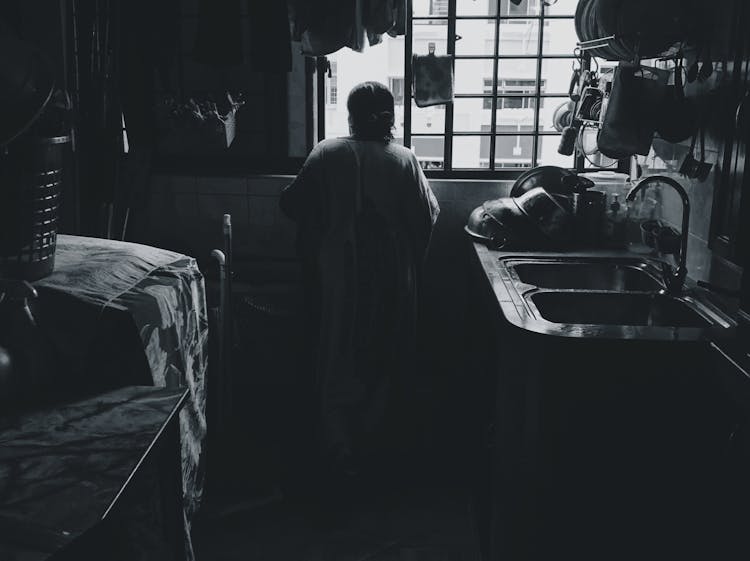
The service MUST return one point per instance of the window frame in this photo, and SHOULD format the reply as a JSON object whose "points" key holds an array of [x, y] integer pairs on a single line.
{"points": [[495, 97], [332, 84]]}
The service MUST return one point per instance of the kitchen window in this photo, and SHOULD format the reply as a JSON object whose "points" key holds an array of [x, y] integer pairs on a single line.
{"points": [[512, 71], [396, 85], [332, 87]]}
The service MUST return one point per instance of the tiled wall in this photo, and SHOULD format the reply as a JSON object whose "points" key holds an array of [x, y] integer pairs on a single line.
{"points": [[186, 215], [703, 264]]}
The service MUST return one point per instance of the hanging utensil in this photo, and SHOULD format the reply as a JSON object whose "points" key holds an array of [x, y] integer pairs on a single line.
{"points": [[676, 121], [697, 169], [692, 73], [707, 66]]}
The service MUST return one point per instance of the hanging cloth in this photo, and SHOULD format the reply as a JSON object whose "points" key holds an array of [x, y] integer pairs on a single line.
{"points": [[433, 78], [326, 26], [629, 123], [384, 16]]}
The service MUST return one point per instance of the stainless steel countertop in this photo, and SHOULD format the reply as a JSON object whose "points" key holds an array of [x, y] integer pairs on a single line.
{"points": [[518, 314]]}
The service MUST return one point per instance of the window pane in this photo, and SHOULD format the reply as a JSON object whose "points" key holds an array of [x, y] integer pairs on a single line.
{"points": [[477, 7], [556, 73], [514, 151], [383, 63], [471, 152], [430, 32], [515, 112], [548, 155], [517, 68], [559, 37], [519, 37], [562, 8], [471, 76], [428, 119], [430, 8], [472, 114], [477, 37], [331, 85], [429, 151], [547, 108], [525, 8]]}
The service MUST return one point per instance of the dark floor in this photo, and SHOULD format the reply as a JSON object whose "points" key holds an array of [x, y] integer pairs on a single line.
{"points": [[417, 524], [266, 498]]}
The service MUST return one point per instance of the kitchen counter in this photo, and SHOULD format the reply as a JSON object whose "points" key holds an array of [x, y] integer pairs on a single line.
{"points": [[520, 315], [608, 440]]}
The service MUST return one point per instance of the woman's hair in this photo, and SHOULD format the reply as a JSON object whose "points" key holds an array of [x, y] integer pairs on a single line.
{"points": [[371, 113]]}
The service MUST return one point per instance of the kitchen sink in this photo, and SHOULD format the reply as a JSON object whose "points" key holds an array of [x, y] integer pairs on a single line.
{"points": [[587, 275], [599, 295], [629, 309]]}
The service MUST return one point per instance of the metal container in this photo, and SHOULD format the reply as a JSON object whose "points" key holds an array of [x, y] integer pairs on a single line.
{"points": [[548, 214], [588, 209], [31, 174]]}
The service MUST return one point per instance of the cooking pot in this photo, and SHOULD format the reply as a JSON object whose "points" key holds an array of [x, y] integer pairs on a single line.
{"points": [[500, 223], [536, 220], [550, 213], [556, 180]]}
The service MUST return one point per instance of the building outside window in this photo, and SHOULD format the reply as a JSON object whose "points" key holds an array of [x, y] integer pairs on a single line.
{"points": [[396, 85], [524, 76], [439, 8], [332, 89]]}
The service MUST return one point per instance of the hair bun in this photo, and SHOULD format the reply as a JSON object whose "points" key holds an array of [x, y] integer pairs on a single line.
{"points": [[382, 116]]}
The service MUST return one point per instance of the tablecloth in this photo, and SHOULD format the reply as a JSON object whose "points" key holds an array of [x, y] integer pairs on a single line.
{"points": [[119, 314]]}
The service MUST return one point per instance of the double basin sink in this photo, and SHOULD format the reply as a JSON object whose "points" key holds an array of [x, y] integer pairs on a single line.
{"points": [[619, 296]]}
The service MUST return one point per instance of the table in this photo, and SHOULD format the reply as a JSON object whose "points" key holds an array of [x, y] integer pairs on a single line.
{"points": [[118, 314], [64, 472]]}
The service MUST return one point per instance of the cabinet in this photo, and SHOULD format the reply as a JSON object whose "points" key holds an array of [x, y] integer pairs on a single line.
{"points": [[603, 448], [729, 230]]}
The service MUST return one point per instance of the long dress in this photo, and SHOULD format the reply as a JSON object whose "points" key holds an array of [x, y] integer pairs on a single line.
{"points": [[365, 214]]}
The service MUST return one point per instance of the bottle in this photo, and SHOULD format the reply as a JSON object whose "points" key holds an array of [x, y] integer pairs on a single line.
{"points": [[616, 223]]}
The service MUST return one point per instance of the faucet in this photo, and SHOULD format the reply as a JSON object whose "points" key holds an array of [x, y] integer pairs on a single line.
{"points": [[673, 279]]}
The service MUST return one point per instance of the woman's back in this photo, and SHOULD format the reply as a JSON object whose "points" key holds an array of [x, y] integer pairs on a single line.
{"points": [[365, 214]]}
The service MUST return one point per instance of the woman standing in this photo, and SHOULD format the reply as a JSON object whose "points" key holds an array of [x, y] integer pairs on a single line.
{"points": [[365, 214]]}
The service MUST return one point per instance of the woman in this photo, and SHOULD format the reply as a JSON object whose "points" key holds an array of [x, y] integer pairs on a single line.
{"points": [[365, 214]]}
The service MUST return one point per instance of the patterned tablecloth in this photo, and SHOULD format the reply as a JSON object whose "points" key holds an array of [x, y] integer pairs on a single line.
{"points": [[63, 470], [119, 314]]}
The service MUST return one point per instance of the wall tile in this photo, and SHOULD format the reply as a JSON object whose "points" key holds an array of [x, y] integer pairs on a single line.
{"points": [[699, 259], [222, 185], [264, 211], [185, 206], [181, 184], [212, 208], [267, 186]]}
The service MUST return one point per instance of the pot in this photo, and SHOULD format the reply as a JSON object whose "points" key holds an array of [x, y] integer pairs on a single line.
{"points": [[549, 213], [500, 224], [554, 179]]}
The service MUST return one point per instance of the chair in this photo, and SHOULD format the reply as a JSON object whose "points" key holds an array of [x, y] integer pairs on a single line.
{"points": [[223, 325]]}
